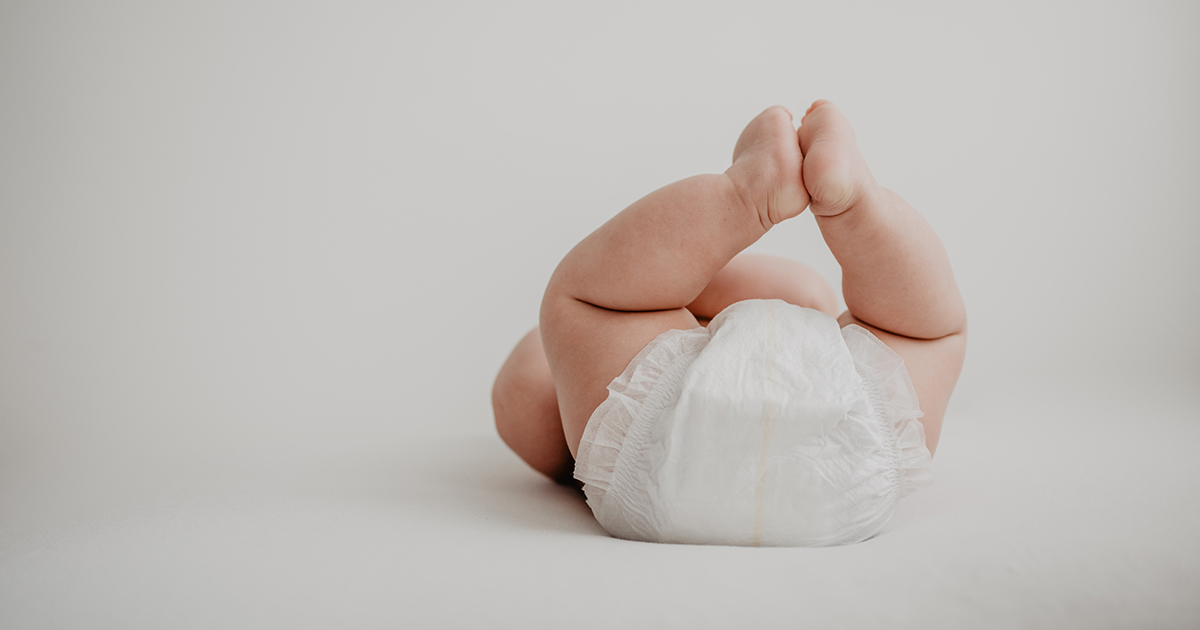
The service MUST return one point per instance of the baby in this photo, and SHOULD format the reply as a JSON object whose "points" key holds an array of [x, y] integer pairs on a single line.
{"points": [[702, 395]]}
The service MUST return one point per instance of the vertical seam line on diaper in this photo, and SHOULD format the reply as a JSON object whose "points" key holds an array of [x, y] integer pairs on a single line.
{"points": [[769, 413]]}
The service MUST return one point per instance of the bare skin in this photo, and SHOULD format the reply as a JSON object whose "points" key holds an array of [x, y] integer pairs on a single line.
{"points": [[668, 262]]}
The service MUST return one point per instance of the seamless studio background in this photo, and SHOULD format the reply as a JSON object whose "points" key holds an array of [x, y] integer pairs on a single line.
{"points": [[269, 256]]}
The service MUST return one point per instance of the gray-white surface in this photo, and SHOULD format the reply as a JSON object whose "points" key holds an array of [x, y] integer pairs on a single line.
{"points": [[259, 263], [1075, 511]]}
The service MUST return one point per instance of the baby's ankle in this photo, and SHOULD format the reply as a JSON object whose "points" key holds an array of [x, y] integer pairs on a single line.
{"points": [[749, 194], [766, 168], [866, 193]]}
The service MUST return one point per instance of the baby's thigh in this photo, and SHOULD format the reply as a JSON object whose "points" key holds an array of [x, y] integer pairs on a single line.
{"points": [[759, 276], [588, 346], [932, 364]]}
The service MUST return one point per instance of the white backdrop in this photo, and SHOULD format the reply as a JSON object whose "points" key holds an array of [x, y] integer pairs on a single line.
{"points": [[237, 233]]}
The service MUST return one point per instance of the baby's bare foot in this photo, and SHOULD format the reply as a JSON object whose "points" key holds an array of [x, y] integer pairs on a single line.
{"points": [[767, 167], [835, 173]]}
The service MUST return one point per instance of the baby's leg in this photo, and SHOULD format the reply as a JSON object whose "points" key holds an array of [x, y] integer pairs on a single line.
{"points": [[896, 277], [632, 279]]}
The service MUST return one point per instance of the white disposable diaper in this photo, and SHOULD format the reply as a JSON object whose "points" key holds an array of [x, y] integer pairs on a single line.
{"points": [[770, 427]]}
